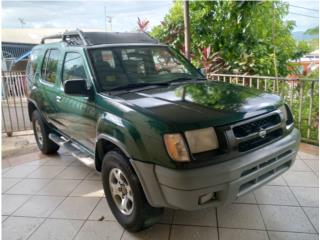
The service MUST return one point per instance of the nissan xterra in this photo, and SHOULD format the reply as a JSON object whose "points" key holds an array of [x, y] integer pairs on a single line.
{"points": [[161, 134]]}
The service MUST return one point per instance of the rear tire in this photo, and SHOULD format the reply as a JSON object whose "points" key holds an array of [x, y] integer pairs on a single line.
{"points": [[118, 175], [41, 133]]}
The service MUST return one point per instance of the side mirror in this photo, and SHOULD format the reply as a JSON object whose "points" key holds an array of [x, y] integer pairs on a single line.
{"points": [[77, 87]]}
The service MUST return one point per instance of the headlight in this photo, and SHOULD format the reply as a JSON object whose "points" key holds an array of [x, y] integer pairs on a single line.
{"points": [[202, 140], [176, 147], [284, 112], [287, 115]]}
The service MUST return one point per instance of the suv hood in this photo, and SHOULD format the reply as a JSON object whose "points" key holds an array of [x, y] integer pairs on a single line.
{"points": [[201, 104]]}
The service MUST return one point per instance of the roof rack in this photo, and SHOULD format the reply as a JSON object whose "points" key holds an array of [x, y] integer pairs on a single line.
{"points": [[79, 38], [71, 37]]}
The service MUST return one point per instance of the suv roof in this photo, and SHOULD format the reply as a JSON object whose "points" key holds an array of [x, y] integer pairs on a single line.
{"points": [[79, 38]]}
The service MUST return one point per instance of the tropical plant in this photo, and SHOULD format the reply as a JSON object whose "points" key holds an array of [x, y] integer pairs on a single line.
{"points": [[250, 36], [142, 25]]}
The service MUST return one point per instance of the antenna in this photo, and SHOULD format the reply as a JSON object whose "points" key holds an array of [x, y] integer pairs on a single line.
{"points": [[22, 22], [105, 18], [110, 21]]}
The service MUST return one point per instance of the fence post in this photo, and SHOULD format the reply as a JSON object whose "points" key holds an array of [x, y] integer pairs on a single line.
{"points": [[291, 94], [310, 110], [300, 104]]}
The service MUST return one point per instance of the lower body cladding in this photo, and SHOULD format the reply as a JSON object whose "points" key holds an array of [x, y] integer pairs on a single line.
{"points": [[219, 184]]}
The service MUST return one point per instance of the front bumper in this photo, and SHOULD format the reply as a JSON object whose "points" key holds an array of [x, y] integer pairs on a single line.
{"points": [[182, 189]]}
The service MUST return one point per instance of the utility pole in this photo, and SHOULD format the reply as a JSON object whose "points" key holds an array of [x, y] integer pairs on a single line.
{"points": [[273, 36], [186, 29], [274, 48], [105, 19]]}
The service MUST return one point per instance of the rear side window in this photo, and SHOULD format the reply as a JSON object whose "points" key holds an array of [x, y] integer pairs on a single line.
{"points": [[73, 67], [32, 64], [50, 65]]}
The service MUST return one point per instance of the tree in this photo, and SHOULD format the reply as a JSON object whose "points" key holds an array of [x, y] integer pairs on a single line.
{"points": [[250, 36]]}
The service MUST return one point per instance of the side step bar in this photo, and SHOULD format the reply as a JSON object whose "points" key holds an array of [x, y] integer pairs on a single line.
{"points": [[74, 149]]}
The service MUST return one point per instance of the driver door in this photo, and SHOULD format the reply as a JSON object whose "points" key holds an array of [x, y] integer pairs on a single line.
{"points": [[76, 114]]}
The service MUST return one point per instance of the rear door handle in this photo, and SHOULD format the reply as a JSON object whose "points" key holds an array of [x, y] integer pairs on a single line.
{"points": [[58, 98]]}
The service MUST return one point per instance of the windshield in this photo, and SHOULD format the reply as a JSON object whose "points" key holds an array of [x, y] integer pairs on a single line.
{"points": [[127, 66]]}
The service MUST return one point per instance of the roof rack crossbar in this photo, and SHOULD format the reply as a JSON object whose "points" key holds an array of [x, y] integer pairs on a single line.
{"points": [[56, 36], [77, 32], [65, 35]]}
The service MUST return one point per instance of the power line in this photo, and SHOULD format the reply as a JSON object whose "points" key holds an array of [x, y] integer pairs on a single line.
{"points": [[303, 15], [304, 8]]}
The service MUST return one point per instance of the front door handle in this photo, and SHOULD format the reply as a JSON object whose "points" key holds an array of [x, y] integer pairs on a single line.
{"points": [[58, 98]]}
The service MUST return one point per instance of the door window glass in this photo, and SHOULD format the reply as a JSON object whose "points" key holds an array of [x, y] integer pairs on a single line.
{"points": [[49, 68], [73, 67], [32, 64]]}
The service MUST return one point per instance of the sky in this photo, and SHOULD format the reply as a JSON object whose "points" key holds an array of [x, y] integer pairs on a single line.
{"points": [[83, 14], [91, 14], [305, 18]]}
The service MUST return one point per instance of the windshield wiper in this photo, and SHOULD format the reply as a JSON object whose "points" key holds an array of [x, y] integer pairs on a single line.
{"points": [[184, 79], [136, 85]]}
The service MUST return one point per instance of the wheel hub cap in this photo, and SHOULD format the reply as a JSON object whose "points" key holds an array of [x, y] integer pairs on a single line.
{"points": [[121, 191], [38, 132]]}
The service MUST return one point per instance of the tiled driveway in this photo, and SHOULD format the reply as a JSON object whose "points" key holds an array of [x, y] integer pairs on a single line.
{"points": [[58, 198]]}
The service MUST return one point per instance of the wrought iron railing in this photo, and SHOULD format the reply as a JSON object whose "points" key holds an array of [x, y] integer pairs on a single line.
{"points": [[302, 95], [14, 102]]}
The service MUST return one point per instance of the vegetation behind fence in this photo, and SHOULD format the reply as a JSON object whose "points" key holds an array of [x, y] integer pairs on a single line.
{"points": [[302, 95]]}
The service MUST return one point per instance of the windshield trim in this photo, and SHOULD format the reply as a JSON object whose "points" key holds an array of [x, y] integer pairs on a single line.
{"points": [[114, 45]]}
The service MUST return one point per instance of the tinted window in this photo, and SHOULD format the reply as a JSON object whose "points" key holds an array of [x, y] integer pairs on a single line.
{"points": [[50, 65], [44, 64], [32, 64], [73, 67], [134, 65], [107, 71]]}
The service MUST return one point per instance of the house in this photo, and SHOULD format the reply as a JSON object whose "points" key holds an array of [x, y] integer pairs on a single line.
{"points": [[17, 43], [306, 64]]}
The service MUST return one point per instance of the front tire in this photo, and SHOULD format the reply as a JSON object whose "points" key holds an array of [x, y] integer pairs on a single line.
{"points": [[125, 195], [41, 133]]}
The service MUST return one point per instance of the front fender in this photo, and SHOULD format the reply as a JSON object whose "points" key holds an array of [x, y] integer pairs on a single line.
{"points": [[123, 134]]}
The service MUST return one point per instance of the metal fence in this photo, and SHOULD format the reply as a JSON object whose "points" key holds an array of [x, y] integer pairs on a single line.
{"points": [[302, 95], [14, 103]]}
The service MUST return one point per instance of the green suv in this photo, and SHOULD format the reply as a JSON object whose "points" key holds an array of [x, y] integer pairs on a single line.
{"points": [[161, 134]]}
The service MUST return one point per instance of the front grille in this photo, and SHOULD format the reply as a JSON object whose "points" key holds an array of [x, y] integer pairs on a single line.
{"points": [[258, 141], [256, 126]]}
